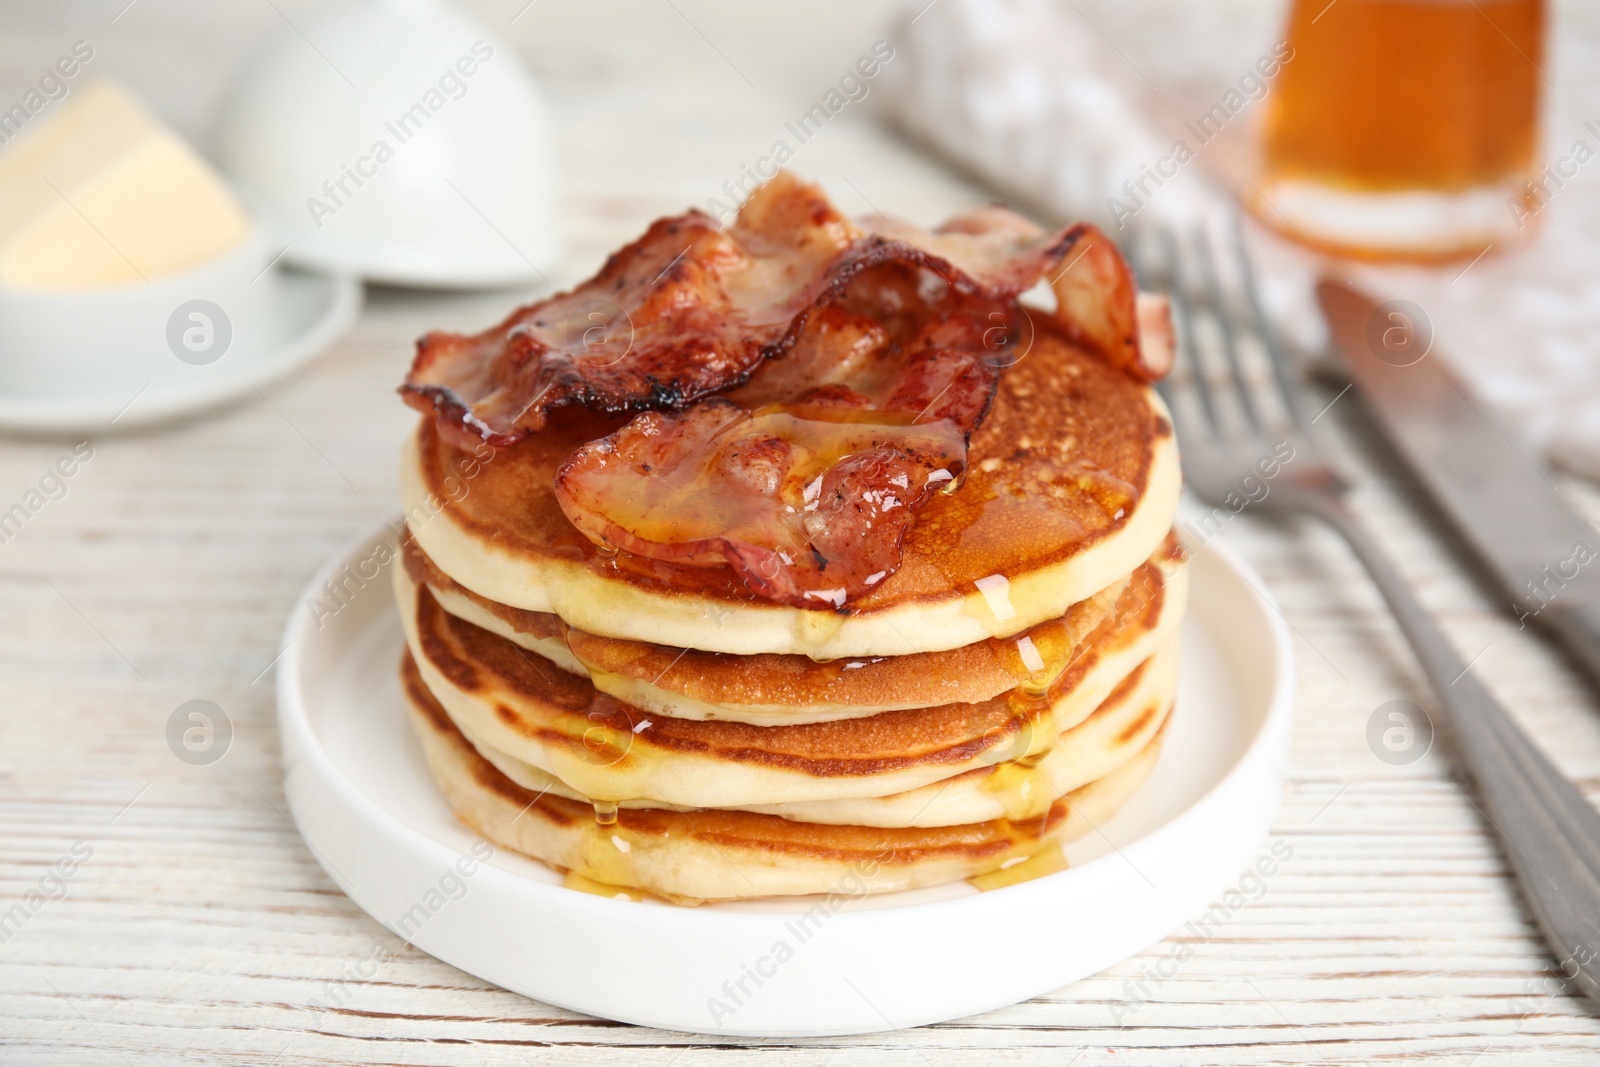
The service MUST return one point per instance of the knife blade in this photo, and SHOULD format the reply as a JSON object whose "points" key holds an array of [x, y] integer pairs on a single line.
{"points": [[1492, 488]]}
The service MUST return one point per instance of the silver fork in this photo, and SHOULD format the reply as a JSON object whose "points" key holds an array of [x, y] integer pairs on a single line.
{"points": [[1548, 830]]}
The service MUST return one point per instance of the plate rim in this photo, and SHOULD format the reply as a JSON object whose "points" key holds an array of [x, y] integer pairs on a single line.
{"points": [[72, 415]]}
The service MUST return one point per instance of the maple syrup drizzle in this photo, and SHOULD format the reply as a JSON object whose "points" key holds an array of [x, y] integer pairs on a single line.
{"points": [[1018, 784], [1048, 860], [1115, 496], [695, 498], [605, 864], [583, 884]]}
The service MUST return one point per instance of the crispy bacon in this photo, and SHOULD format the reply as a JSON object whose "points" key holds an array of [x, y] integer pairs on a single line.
{"points": [[994, 245], [808, 505], [1097, 301], [682, 312], [806, 479], [1097, 298], [1158, 347]]}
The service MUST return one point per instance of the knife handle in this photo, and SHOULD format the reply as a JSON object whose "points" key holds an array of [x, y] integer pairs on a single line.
{"points": [[1550, 832], [1576, 624]]}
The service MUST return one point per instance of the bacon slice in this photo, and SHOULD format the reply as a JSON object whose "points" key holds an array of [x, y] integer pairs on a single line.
{"points": [[682, 312], [806, 504], [1097, 298], [806, 479], [1158, 346], [999, 248]]}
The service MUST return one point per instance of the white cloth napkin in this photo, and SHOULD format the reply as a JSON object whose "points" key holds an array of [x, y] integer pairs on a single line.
{"points": [[1058, 105]]}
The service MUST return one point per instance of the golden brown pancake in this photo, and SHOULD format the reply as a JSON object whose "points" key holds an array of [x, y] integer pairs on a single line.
{"points": [[537, 631], [1123, 724], [695, 856], [522, 705], [1073, 482], [775, 689]]}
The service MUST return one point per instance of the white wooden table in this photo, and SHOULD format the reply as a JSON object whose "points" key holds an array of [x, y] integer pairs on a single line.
{"points": [[201, 930]]}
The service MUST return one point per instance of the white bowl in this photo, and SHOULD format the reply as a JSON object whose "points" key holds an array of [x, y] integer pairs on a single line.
{"points": [[372, 815], [466, 195], [113, 340]]}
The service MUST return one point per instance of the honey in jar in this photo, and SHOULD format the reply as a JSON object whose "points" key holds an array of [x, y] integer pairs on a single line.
{"points": [[1404, 129]]}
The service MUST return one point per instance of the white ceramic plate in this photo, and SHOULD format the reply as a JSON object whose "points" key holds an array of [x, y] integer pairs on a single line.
{"points": [[312, 310], [367, 806]]}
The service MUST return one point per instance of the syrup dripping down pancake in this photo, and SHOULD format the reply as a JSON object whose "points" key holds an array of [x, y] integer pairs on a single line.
{"points": [[1072, 482], [520, 704], [773, 689], [696, 856]]}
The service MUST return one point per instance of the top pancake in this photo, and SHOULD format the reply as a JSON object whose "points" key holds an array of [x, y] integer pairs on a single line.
{"points": [[1072, 483]]}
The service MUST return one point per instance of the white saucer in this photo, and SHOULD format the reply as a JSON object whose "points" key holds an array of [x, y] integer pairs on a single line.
{"points": [[369, 810], [313, 309]]}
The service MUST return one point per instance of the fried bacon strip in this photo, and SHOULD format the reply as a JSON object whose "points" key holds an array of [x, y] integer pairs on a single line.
{"points": [[682, 312], [806, 480], [808, 506], [1097, 299]]}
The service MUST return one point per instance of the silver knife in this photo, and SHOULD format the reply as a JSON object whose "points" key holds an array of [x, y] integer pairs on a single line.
{"points": [[1491, 486]]}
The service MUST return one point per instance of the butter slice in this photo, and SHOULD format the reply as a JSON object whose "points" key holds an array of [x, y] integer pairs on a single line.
{"points": [[101, 193]]}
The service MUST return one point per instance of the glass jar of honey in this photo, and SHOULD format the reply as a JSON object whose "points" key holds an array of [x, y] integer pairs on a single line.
{"points": [[1404, 129]]}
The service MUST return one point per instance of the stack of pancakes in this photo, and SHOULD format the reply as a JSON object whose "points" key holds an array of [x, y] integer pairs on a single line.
{"points": [[660, 728]]}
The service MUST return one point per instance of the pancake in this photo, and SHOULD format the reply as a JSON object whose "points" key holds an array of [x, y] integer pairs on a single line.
{"points": [[695, 856], [536, 631], [519, 704], [1128, 722], [1123, 724], [1072, 483], [774, 689]]}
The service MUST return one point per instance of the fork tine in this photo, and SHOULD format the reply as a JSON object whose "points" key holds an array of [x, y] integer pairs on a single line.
{"points": [[1230, 342], [1286, 375], [1178, 293]]}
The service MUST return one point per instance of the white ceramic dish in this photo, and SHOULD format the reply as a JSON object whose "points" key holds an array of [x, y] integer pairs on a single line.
{"points": [[411, 146], [114, 338], [364, 800], [294, 316]]}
